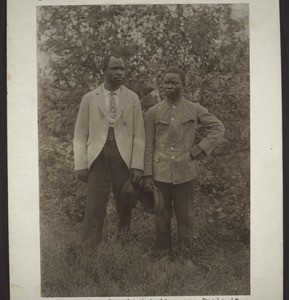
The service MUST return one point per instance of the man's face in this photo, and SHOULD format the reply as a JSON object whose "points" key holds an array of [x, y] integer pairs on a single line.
{"points": [[172, 86], [115, 71]]}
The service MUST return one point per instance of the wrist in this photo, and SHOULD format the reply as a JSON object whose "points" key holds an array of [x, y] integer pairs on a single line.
{"points": [[195, 151], [148, 178]]}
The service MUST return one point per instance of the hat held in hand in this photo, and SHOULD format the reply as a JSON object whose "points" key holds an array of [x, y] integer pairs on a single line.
{"points": [[152, 201], [128, 194]]}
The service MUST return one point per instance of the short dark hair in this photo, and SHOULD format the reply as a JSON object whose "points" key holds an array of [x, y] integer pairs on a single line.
{"points": [[107, 58], [176, 70]]}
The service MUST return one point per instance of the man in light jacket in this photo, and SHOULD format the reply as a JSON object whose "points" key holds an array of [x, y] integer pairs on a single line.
{"points": [[171, 154], [108, 147]]}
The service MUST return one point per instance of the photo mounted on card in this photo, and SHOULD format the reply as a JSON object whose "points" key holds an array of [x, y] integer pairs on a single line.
{"points": [[141, 165]]}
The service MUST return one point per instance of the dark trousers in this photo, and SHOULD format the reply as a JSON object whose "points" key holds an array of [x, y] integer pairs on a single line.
{"points": [[179, 196], [108, 170]]}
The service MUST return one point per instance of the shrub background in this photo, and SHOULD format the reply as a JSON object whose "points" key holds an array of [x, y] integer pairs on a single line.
{"points": [[211, 44]]}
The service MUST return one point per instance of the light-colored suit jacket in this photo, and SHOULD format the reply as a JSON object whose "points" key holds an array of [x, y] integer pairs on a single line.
{"points": [[92, 125]]}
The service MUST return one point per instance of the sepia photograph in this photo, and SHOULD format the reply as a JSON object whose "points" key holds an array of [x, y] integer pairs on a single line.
{"points": [[144, 150], [143, 116]]}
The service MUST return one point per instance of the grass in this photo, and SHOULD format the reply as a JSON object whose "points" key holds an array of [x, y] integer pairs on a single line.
{"points": [[68, 270], [219, 260]]}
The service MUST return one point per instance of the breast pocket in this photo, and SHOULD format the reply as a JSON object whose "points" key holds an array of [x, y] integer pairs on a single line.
{"points": [[161, 127], [188, 119], [189, 126]]}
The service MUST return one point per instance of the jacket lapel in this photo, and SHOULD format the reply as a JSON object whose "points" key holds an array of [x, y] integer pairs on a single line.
{"points": [[123, 102], [100, 101]]}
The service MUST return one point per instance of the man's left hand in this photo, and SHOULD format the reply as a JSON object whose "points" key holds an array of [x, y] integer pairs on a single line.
{"points": [[136, 175], [196, 151]]}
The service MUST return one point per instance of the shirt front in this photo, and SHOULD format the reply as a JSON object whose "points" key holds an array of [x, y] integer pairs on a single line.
{"points": [[107, 95]]}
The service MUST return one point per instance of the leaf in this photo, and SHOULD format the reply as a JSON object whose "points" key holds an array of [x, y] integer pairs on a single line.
{"points": [[222, 216], [191, 265]]}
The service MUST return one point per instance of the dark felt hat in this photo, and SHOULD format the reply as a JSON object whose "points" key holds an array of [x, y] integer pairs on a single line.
{"points": [[152, 201], [129, 194]]}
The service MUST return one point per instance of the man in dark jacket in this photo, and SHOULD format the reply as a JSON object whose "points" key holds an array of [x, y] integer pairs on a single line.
{"points": [[171, 153]]}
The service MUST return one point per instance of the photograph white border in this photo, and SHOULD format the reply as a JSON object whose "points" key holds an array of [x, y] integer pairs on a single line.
{"points": [[266, 149]]}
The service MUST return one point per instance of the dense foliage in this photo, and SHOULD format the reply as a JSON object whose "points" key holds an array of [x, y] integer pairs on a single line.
{"points": [[210, 43]]}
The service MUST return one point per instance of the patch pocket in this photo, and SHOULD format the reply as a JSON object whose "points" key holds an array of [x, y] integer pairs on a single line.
{"points": [[161, 127], [188, 119], [162, 122]]}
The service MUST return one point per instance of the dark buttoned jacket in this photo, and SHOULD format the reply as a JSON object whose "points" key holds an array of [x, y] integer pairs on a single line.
{"points": [[170, 130]]}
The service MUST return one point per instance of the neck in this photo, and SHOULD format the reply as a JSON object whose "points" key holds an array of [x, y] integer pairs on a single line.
{"points": [[108, 86], [175, 99]]}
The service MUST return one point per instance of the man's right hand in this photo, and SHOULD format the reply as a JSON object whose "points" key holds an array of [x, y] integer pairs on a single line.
{"points": [[82, 175], [148, 183]]}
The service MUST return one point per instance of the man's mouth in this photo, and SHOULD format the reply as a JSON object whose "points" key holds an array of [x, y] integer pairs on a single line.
{"points": [[169, 91]]}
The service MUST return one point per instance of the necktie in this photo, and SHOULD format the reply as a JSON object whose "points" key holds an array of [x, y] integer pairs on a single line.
{"points": [[112, 105]]}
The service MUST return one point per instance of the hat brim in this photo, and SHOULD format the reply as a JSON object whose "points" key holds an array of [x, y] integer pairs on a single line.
{"points": [[158, 201], [128, 194], [152, 201]]}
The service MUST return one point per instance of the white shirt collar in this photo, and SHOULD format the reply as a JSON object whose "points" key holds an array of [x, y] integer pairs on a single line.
{"points": [[116, 92]]}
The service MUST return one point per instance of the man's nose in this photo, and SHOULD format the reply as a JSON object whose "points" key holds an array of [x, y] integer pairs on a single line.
{"points": [[120, 72]]}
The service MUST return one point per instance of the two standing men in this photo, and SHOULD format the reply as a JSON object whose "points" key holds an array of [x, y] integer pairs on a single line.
{"points": [[110, 145]]}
